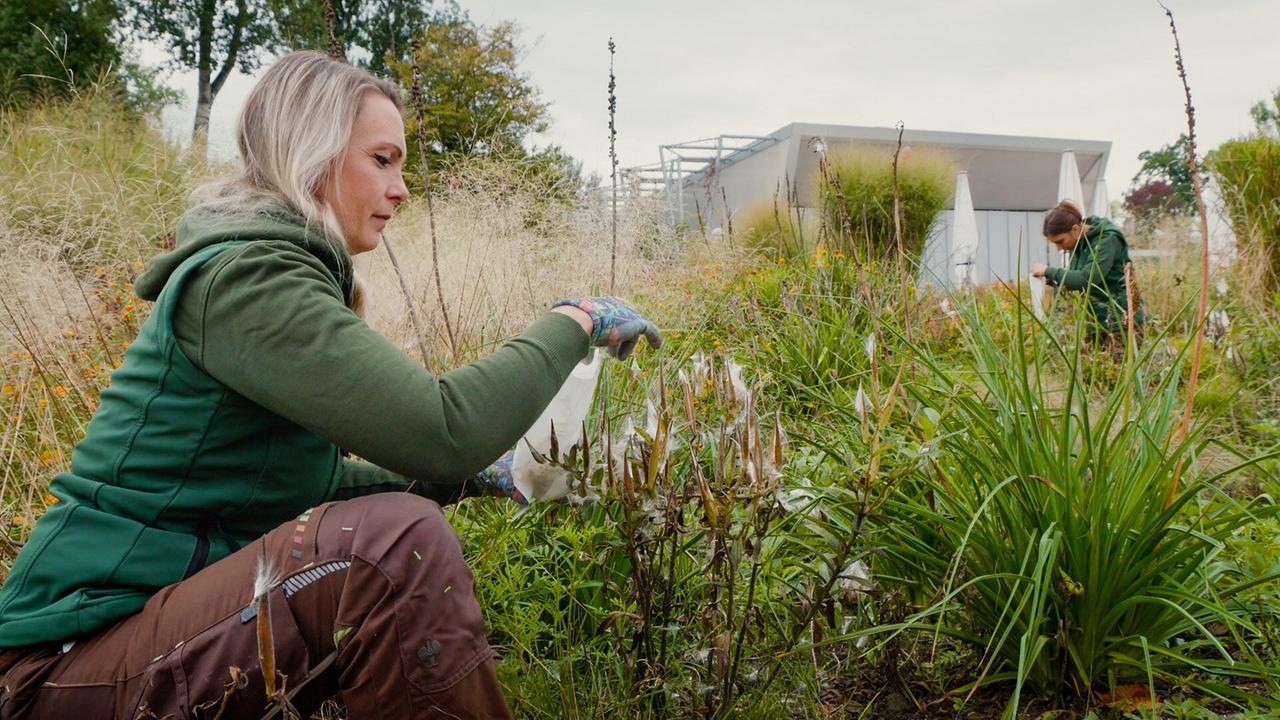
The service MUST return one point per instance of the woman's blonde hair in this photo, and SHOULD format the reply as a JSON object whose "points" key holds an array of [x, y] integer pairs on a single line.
{"points": [[292, 135]]}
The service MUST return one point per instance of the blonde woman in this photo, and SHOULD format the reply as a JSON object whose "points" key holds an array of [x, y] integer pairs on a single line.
{"points": [[219, 456]]}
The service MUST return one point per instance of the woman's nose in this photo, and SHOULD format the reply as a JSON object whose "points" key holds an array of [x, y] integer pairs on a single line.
{"points": [[398, 192]]}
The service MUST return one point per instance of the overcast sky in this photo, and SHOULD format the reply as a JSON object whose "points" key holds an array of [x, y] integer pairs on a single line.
{"points": [[1088, 69]]}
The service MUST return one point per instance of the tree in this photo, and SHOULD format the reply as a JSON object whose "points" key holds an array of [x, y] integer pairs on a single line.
{"points": [[1267, 119], [378, 29], [1151, 201], [48, 47], [475, 98], [212, 37], [1170, 164]]}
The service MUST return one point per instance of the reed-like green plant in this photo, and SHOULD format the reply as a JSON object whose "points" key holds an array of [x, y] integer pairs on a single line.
{"points": [[1044, 539]]}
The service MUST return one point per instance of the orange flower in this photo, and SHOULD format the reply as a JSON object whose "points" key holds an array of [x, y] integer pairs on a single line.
{"points": [[50, 499], [59, 390], [8, 390], [19, 520], [44, 403]]}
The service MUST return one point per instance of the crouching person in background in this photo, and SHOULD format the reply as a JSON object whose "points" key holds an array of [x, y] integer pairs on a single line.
{"points": [[1099, 254]]}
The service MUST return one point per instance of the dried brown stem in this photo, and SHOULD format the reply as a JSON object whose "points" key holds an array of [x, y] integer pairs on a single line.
{"points": [[613, 168], [331, 24], [897, 234], [424, 168], [408, 301], [1184, 427]]}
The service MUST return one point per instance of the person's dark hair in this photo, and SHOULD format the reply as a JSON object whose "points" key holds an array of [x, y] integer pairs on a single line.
{"points": [[1061, 218]]}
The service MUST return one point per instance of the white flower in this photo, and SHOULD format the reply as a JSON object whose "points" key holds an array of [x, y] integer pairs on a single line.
{"points": [[869, 345], [861, 403], [740, 391]]}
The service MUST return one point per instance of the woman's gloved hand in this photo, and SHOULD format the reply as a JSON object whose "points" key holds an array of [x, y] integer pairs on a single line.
{"points": [[496, 480], [616, 326]]}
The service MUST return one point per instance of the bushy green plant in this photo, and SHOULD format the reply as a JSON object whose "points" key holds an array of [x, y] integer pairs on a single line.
{"points": [[1054, 535], [1248, 172], [776, 230], [857, 199]]}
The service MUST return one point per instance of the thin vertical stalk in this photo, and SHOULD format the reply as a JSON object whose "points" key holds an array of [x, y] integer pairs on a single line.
{"points": [[1184, 427], [421, 132], [613, 169], [331, 24], [897, 234], [408, 301]]}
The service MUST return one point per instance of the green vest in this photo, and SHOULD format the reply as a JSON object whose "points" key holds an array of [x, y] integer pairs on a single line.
{"points": [[175, 472]]}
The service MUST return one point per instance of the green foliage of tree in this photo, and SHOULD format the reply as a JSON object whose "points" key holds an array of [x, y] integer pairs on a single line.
{"points": [[1267, 119], [378, 29], [48, 47], [475, 98], [1170, 164], [212, 37]]}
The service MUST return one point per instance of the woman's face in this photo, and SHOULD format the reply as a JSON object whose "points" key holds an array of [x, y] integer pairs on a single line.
{"points": [[1067, 240], [367, 188]]}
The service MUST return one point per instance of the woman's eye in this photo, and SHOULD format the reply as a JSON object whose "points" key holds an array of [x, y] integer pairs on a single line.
{"points": [[383, 160]]}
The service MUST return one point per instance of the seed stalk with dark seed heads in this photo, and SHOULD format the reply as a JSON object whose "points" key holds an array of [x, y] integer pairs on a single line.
{"points": [[331, 24], [613, 168], [1202, 313]]}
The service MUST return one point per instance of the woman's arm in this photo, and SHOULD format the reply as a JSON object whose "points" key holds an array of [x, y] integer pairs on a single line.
{"points": [[270, 323], [1105, 253]]}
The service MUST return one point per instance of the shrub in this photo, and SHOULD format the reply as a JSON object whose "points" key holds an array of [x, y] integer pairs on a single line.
{"points": [[865, 179], [777, 230], [1248, 172]]}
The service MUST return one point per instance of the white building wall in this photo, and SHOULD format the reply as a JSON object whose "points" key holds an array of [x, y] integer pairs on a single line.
{"points": [[746, 184], [1009, 241]]}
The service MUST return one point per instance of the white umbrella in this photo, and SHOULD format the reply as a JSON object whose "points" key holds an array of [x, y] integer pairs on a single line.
{"points": [[964, 236], [1101, 205], [1069, 187]]}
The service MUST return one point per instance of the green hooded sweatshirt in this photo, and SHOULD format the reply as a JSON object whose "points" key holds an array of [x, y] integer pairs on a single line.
{"points": [[1097, 263], [232, 410]]}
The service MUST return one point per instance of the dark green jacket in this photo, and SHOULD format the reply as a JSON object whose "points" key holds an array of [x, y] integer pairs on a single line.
{"points": [[229, 414], [1097, 264]]}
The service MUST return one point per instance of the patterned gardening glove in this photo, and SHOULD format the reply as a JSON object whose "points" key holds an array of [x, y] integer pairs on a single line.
{"points": [[496, 480], [616, 326]]}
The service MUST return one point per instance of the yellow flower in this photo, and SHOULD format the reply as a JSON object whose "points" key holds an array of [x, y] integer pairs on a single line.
{"points": [[44, 403], [8, 390], [19, 520], [59, 390], [50, 499]]}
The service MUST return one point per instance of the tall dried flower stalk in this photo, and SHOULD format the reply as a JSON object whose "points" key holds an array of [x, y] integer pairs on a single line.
{"points": [[331, 24], [613, 167], [1185, 426], [424, 168], [897, 234]]}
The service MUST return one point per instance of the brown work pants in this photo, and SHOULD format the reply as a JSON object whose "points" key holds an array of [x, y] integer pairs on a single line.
{"points": [[374, 603]]}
